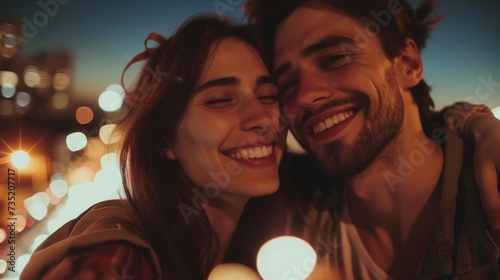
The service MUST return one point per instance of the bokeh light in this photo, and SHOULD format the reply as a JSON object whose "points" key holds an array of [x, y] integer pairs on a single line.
{"points": [[111, 99], [45, 81], [62, 79], [58, 186], [60, 100], [496, 112], [76, 141], [20, 222], [23, 99], [31, 76], [108, 135], [20, 159], [231, 271], [37, 205], [3, 266], [8, 90], [84, 115], [8, 77], [3, 235], [22, 261], [286, 257]]}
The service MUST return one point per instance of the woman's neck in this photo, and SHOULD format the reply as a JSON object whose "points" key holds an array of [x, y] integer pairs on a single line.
{"points": [[224, 216]]}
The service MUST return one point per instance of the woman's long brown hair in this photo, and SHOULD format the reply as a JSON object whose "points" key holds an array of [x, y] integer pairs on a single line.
{"points": [[155, 185]]}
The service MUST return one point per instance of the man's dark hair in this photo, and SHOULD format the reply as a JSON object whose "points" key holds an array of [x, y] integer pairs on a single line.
{"points": [[416, 24]]}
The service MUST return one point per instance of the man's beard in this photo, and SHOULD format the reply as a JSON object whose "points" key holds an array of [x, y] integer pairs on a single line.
{"points": [[382, 125]]}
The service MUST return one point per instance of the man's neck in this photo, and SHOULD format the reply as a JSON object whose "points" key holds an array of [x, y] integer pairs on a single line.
{"points": [[394, 202]]}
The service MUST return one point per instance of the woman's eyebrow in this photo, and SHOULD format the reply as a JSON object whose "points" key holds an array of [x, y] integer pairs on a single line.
{"points": [[224, 81]]}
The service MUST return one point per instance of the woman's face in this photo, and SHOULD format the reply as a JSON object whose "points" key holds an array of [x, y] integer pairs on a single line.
{"points": [[229, 143]]}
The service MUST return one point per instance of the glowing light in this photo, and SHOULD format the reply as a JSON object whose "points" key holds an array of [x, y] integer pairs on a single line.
{"points": [[8, 90], [496, 112], [231, 271], [23, 99], [20, 159], [8, 77], [76, 141], [61, 79], [3, 235], [3, 266], [31, 76], [286, 257], [37, 210], [45, 80], [108, 180], [54, 225], [110, 161], [107, 135], [20, 222], [59, 188], [84, 115], [37, 205], [22, 261], [60, 100], [111, 99]]}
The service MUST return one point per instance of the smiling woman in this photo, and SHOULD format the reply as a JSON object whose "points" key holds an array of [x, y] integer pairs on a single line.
{"points": [[193, 145]]}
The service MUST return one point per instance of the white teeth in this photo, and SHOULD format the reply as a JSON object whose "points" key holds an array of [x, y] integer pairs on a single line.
{"points": [[332, 121], [253, 153]]}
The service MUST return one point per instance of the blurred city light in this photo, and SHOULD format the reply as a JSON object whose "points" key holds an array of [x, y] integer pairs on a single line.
{"points": [[22, 261], [286, 257], [20, 159], [20, 222], [84, 115], [496, 112], [231, 271], [8, 77], [31, 76], [60, 100], [3, 235], [8, 90], [58, 185], [107, 135], [3, 266], [23, 99], [76, 141], [111, 99], [62, 79], [45, 80]]}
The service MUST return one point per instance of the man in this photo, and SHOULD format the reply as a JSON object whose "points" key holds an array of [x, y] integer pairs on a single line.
{"points": [[350, 73]]}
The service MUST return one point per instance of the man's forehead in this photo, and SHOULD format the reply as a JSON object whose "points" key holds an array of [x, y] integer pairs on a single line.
{"points": [[307, 25]]}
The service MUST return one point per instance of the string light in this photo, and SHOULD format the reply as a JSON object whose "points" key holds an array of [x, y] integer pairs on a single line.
{"points": [[20, 159]]}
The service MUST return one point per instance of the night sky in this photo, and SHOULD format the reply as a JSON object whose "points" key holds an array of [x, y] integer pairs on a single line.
{"points": [[461, 56]]}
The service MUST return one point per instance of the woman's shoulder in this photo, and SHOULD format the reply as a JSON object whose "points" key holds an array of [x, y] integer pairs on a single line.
{"points": [[107, 226]]}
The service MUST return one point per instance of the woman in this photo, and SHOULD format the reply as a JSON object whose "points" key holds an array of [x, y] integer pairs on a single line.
{"points": [[201, 138], [193, 142]]}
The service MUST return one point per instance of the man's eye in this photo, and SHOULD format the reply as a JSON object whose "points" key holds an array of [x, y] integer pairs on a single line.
{"points": [[335, 61]]}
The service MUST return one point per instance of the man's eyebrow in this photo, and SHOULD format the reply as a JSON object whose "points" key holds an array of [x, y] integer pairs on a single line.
{"points": [[225, 81], [323, 43], [326, 42]]}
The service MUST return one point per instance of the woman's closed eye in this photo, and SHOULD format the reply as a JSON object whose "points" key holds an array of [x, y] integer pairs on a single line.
{"points": [[270, 98], [218, 102]]}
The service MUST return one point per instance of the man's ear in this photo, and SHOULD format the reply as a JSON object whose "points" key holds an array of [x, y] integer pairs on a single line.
{"points": [[409, 66]]}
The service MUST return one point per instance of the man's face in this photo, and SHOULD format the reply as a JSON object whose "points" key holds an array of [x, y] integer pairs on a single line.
{"points": [[339, 90]]}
